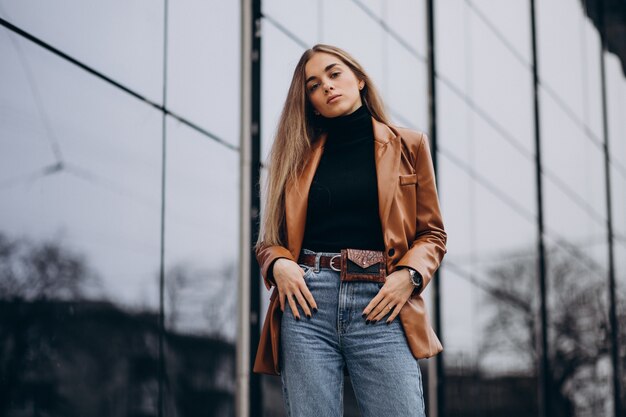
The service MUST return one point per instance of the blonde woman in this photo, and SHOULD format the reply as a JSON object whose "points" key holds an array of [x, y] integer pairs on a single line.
{"points": [[350, 236]]}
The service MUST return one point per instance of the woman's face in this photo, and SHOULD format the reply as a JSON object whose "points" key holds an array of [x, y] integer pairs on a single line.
{"points": [[332, 87]]}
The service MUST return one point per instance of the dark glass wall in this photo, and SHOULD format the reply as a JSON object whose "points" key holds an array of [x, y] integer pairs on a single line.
{"points": [[86, 162]]}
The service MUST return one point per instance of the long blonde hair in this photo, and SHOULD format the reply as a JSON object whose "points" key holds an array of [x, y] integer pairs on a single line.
{"points": [[297, 129]]}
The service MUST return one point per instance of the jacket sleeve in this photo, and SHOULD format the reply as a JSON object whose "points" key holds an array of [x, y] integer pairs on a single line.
{"points": [[266, 256], [429, 246]]}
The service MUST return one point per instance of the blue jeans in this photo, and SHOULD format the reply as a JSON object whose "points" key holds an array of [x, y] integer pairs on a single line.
{"points": [[386, 378]]}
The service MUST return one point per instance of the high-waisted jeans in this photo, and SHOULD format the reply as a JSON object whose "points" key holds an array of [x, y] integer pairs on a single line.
{"points": [[386, 378]]}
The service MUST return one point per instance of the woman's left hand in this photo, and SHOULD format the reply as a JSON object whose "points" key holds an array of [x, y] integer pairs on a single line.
{"points": [[394, 293]]}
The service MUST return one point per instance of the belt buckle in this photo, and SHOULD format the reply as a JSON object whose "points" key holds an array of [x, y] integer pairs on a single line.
{"points": [[331, 263]]}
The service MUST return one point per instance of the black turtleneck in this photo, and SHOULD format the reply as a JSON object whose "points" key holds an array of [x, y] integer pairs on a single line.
{"points": [[343, 200]]}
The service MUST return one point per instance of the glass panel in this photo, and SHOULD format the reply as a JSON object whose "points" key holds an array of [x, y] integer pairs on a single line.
{"points": [[406, 78], [575, 211], [203, 65], [487, 188], [201, 273], [80, 190]]}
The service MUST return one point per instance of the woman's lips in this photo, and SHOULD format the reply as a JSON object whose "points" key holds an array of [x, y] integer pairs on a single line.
{"points": [[333, 99]]}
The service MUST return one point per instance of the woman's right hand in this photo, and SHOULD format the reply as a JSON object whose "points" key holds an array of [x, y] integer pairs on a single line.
{"points": [[290, 283]]}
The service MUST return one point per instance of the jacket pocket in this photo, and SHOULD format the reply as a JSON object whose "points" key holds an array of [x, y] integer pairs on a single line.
{"points": [[408, 179]]}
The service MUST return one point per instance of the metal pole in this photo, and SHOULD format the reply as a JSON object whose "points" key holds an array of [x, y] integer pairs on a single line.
{"points": [[244, 390], [617, 389], [256, 389], [545, 398], [436, 378], [161, 369], [249, 384]]}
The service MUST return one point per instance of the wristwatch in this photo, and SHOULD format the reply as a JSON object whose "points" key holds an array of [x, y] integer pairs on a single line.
{"points": [[416, 278]]}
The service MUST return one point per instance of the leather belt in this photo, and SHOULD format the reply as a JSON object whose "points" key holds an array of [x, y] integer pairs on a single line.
{"points": [[352, 264], [326, 261]]}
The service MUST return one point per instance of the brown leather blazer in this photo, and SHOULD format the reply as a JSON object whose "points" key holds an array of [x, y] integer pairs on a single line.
{"points": [[412, 229]]}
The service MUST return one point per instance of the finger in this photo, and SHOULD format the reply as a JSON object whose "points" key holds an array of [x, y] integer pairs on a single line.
{"points": [[394, 313], [376, 311], [368, 312], [293, 306], [303, 303], [384, 311], [309, 298]]}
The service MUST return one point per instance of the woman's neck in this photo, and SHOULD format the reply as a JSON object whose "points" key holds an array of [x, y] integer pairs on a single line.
{"points": [[354, 125]]}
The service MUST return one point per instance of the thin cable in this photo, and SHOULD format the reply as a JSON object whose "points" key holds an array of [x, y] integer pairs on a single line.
{"points": [[50, 135]]}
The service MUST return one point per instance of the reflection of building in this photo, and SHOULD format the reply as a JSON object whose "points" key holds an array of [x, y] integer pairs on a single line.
{"points": [[93, 359]]}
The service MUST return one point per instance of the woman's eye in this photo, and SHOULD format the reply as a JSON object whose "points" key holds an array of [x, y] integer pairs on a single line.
{"points": [[313, 87], [335, 73]]}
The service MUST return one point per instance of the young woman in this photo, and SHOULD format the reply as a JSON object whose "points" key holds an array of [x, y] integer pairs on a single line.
{"points": [[351, 234]]}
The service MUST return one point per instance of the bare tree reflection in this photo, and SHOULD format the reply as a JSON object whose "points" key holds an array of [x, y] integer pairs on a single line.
{"points": [[201, 301], [577, 330], [65, 353], [42, 271]]}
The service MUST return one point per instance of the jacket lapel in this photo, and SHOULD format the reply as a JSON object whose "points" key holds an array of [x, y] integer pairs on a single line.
{"points": [[387, 161]]}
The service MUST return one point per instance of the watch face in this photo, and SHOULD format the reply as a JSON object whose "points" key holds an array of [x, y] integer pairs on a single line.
{"points": [[416, 279]]}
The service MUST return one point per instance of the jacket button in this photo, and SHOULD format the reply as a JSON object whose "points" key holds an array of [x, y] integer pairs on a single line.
{"points": [[391, 252]]}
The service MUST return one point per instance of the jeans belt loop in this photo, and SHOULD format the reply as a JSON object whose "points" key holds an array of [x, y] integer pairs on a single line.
{"points": [[317, 262]]}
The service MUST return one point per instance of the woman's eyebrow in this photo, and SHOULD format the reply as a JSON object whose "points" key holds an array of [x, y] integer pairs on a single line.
{"points": [[329, 66]]}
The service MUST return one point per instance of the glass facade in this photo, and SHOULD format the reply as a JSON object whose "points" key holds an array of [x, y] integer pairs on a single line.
{"points": [[119, 197]]}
